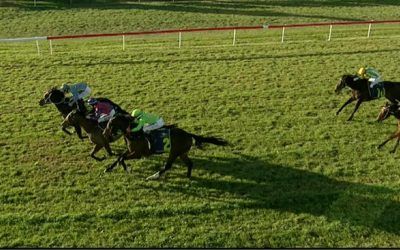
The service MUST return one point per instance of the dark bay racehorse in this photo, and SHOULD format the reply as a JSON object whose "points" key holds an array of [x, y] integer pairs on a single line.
{"points": [[360, 91], [94, 131], [57, 97], [138, 146], [386, 111]]}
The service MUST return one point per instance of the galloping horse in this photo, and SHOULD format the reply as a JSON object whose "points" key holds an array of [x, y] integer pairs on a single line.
{"points": [[57, 97], [386, 111], [138, 146], [360, 91], [93, 130]]}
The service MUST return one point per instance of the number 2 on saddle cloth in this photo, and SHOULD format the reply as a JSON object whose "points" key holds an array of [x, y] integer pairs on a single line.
{"points": [[160, 140]]}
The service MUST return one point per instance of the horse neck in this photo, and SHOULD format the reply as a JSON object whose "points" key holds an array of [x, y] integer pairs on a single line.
{"points": [[64, 108], [356, 85], [123, 124]]}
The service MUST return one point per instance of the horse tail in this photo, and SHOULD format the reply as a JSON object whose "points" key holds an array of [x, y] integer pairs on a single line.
{"points": [[211, 139]]}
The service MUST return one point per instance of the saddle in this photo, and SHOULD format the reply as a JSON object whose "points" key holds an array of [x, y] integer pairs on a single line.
{"points": [[377, 91]]}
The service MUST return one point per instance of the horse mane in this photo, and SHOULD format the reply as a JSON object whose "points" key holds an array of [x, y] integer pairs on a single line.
{"points": [[349, 76], [79, 114]]}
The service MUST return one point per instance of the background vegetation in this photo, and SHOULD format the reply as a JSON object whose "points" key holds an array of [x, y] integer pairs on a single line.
{"points": [[295, 175]]}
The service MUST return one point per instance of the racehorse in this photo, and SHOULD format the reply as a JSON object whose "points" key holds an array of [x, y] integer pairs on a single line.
{"points": [[386, 111], [138, 146], [360, 91], [94, 132], [57, 97]]}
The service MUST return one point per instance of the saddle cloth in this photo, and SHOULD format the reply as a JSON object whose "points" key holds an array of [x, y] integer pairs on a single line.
{"points": [[160, 140]]}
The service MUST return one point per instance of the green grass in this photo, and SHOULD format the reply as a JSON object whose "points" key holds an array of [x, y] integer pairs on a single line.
{"points": [[295, 175], [58, 18]]}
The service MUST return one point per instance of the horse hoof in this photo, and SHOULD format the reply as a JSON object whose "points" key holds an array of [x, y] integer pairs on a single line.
{"points": [[155, 176], [107, 170]]}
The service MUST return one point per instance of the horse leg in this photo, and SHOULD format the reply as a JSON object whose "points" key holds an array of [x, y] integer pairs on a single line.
{"points": [[397, 144], [359, 101], [112, 166], [78, 130], [387, 140], [94, 151], [167, 166], [108, 149], [126, 168], [66, 130], [121, 160], [345, 104], [185, 158]]}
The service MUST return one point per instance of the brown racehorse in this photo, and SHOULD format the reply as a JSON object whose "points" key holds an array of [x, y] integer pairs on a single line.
{"points": [[386, 111], [360, 91], [94, 131], [180, 144], [57, 97]]}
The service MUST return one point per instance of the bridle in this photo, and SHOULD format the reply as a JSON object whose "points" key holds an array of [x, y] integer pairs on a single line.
{"points": [[48, 100], [342, 84]]}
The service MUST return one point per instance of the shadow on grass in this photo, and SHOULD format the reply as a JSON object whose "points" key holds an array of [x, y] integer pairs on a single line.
{"points": [[263, 185], [243, 8]]}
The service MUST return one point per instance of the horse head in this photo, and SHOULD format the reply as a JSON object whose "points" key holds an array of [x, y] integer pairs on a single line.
{"points": [[344, 80], [54, 96]]}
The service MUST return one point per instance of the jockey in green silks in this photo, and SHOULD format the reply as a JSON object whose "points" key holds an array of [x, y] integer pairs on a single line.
{"points": [[371, 74], [147, 121]]}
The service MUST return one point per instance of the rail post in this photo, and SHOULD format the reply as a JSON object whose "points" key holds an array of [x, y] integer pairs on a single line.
{"points": [[283, 34], [37, 46], [234, 37], [123, 42], [180, 39], [369, 30], [330, 32], [51, 47]]}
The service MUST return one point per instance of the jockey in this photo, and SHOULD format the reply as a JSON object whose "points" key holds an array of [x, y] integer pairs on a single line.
{"points": [[146, 121], [103, 111], [78, 91], [371, 74]]}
